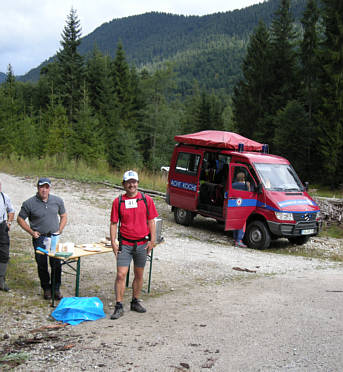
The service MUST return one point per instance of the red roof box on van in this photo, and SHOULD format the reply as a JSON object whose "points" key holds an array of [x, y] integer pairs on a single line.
{"points": [[220, 139]]}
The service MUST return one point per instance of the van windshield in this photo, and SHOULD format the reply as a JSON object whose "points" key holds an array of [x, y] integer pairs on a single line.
{"points": [[278, 177]]}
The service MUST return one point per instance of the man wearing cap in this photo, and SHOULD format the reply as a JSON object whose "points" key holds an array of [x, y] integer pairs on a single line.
{"points": [[134, 213], [47, 216], [6, 218]]}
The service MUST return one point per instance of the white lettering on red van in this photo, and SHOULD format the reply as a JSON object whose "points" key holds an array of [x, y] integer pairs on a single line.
{"points": [[183, 185]]}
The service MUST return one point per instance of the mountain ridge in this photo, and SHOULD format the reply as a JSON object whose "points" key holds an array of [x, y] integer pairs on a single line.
{"points": [[153, 38]]}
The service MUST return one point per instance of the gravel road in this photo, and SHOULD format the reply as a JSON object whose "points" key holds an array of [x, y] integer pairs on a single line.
{"points": [[212, 306]]}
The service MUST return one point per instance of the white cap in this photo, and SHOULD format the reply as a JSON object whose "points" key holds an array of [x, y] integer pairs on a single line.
{"points": [[130, 175]]}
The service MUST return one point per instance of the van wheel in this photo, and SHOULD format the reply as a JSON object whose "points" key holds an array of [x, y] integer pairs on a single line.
{"points": [[183, 217], [299, 240], [257, 235]]}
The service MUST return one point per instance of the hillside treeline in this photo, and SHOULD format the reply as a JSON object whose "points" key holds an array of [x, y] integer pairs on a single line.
{"points": [[102, 107], [207, 48]]}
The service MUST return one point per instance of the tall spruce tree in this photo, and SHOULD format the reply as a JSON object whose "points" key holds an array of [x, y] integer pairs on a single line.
{"points": [[251, 99], [122, 144], [330, 117], [55, 141], [285, 85], [209, 113], [291, 136], [10, 84], [9, 113], [283, 69], [99, 82], [122, 84], [86, 140], [159, 123], [309, 56], [71, 68], [191, 105], [310, 67]]}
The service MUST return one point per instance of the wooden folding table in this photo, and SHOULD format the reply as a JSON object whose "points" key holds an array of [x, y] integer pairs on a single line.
{"points": [[75, 259]]}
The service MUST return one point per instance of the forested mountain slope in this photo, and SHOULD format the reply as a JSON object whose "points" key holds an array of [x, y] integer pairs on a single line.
{"points": [[206, 48]]}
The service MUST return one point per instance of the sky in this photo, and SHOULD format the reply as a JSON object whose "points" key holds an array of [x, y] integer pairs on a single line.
{"points": [[30, 30]]}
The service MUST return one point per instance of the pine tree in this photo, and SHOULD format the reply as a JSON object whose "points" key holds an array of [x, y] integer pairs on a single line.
{"points": [[291, 136], [251, 99], [284, 62], [99, 82], [160, 122], [209, 113], [191, 105], [9, 113], [56, 139], [10, 84], [87, 138], [310, 94], [309, 55], [25, 138], [122, 84], [330, 117], [70, 66]]}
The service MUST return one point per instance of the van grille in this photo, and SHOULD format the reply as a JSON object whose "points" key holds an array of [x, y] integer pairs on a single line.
{"points": [[306, 225], [307, 216]]}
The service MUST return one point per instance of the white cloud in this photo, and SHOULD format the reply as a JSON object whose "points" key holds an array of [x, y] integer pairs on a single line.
{"points": [[30, 30]]}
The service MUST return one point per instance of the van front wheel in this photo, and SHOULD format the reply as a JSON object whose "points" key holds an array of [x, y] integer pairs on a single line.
{"points": [[257, 235], [183, 217]]}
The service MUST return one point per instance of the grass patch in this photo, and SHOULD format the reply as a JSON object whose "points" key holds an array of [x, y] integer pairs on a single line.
{"points": [[58, 167], [22, 278], [332, 231], [325, 192], [10, 361]]}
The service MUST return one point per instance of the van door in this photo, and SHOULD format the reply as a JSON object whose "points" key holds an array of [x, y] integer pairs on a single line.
{"points": [[242, 197], [184, 180]]}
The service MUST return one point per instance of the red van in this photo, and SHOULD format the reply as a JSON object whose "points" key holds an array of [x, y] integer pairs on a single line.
{"points": [[273, 203]]}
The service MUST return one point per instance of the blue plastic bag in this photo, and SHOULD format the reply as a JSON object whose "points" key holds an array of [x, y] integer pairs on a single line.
{"points": [[74, 310]]}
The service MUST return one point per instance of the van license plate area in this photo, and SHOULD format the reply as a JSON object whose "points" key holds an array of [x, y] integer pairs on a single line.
{"points": [[307, 232]]}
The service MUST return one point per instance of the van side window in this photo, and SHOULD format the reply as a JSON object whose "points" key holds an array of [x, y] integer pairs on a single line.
{"points": [[242, 180], [187, 163]]}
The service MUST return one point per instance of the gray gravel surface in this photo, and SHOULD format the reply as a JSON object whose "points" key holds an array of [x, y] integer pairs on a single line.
{"points": [[212, 306]]}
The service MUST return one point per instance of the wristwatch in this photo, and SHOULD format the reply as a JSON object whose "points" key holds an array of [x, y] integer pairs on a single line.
{"points": [[9, 222]]}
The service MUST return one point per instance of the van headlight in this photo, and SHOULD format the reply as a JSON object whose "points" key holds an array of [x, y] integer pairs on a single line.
{"points": [[284, 216]]}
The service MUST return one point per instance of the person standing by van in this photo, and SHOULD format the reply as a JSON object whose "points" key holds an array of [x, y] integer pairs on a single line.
{"points": [[240, 184], [6, 218], [132, 216]]}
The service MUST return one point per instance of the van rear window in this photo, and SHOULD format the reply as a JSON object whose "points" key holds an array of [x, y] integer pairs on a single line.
{"points": [[187, 163]]}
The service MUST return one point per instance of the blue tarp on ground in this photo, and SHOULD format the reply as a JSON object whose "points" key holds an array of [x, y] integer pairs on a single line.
{"points": [[74, 310]]}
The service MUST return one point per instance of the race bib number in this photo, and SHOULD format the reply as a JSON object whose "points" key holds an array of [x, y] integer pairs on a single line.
{"points": [[131, 203]]}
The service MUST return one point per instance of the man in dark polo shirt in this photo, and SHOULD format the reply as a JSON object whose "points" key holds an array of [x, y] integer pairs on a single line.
{"points": [[47, 216]]}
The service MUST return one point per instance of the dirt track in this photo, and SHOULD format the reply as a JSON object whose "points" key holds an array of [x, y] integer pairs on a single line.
{"points": [[202, 313]]}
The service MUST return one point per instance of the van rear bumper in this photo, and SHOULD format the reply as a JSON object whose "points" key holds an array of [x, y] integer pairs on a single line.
{"points": [[297, 229]]}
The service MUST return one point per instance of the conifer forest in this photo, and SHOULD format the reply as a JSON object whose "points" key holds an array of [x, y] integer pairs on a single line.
{"points": [[282, 84]]}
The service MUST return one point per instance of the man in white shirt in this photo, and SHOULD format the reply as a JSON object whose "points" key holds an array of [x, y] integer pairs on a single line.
{"points": [[6, 218]]}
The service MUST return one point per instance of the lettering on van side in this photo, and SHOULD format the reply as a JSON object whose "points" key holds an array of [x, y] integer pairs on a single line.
{"points": [[184, 185], [287, 203]]}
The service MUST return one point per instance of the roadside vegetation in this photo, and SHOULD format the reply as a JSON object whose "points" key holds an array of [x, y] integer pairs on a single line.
{"points": [[59, 167], [22, 277]]}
